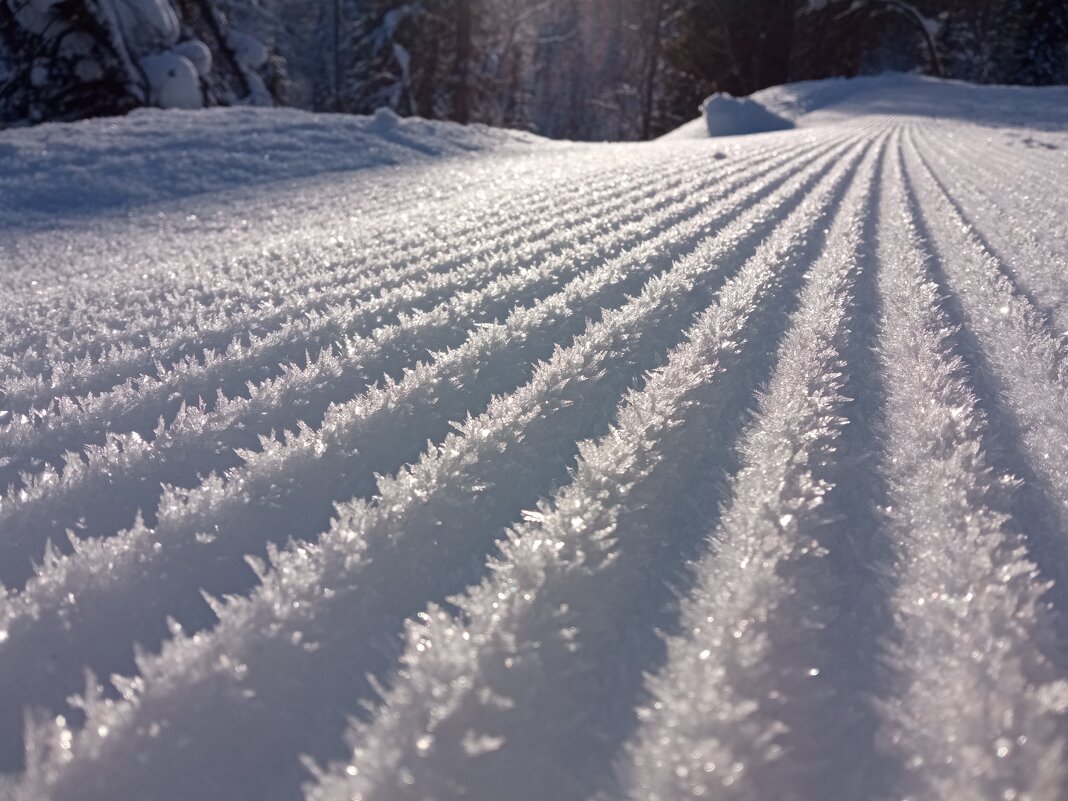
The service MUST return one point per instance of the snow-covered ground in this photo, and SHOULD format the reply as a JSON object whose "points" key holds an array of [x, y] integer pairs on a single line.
{"points": [[370, 459]]}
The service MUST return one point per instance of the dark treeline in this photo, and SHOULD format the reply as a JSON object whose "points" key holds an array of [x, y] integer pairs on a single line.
{"points": [[582, 69], [631, 69]]}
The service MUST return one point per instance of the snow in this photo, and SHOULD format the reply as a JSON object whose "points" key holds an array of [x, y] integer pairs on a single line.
{"points": [[248, 50], [173, 81], [148, 26], [35, 15], [197, 53], [726, 115], [384, 120], [379, 458], [54, 172], [162, 65], [814, 103]]}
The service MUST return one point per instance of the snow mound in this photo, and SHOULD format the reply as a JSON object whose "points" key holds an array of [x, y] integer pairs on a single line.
{"points": [[383, 120], [152, 156], [248, 50], [148, 25], [810, 103], [726, 115], [174, 81]]}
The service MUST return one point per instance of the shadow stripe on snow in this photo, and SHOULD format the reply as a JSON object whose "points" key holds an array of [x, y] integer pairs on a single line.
{"points": [[425, 536]]}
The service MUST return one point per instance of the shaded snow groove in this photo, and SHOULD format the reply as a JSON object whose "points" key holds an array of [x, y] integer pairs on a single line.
{"points": [[760, 484]]}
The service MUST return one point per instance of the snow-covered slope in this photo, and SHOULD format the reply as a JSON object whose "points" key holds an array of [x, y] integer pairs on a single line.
{"points": [[720, 469], [58, 170], [808, 103]]}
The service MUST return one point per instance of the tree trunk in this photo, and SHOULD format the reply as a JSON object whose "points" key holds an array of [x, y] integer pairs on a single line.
{"points": [[462, 99], [337, 55], [650, 76]]}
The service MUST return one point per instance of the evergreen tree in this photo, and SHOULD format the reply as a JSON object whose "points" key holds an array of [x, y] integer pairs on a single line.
{"points": [[80, 58], [380, 71], [62, 63], [1040, 52], [986, 41]]}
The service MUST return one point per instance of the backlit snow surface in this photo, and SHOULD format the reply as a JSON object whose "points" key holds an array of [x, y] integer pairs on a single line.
{"points": [[371, 459]]}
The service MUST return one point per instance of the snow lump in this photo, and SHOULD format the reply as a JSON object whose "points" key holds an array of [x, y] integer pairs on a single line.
{"points": [[726, 115]]}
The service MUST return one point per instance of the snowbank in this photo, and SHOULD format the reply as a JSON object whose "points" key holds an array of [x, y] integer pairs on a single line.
{"points": [[152, 155], [726, 115]]}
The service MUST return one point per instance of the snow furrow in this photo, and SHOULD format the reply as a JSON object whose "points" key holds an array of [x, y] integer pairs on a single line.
{"points": [[201, 535], [1030, 168], [974, 705], [749, 703], [453, 219], [1025, 364], [101, 495], [460, 493], [543, 658], [301, 303], [1036, 251], [254, 341]]}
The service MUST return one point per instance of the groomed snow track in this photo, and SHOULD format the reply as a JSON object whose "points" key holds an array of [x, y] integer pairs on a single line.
{"points": [[729, 469]]}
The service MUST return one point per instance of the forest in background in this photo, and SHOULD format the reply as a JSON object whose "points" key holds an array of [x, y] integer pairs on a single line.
{"points": [[578, 69]]}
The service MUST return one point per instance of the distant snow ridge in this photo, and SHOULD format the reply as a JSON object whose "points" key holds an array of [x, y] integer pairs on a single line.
{"points": [[489, 468]]}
